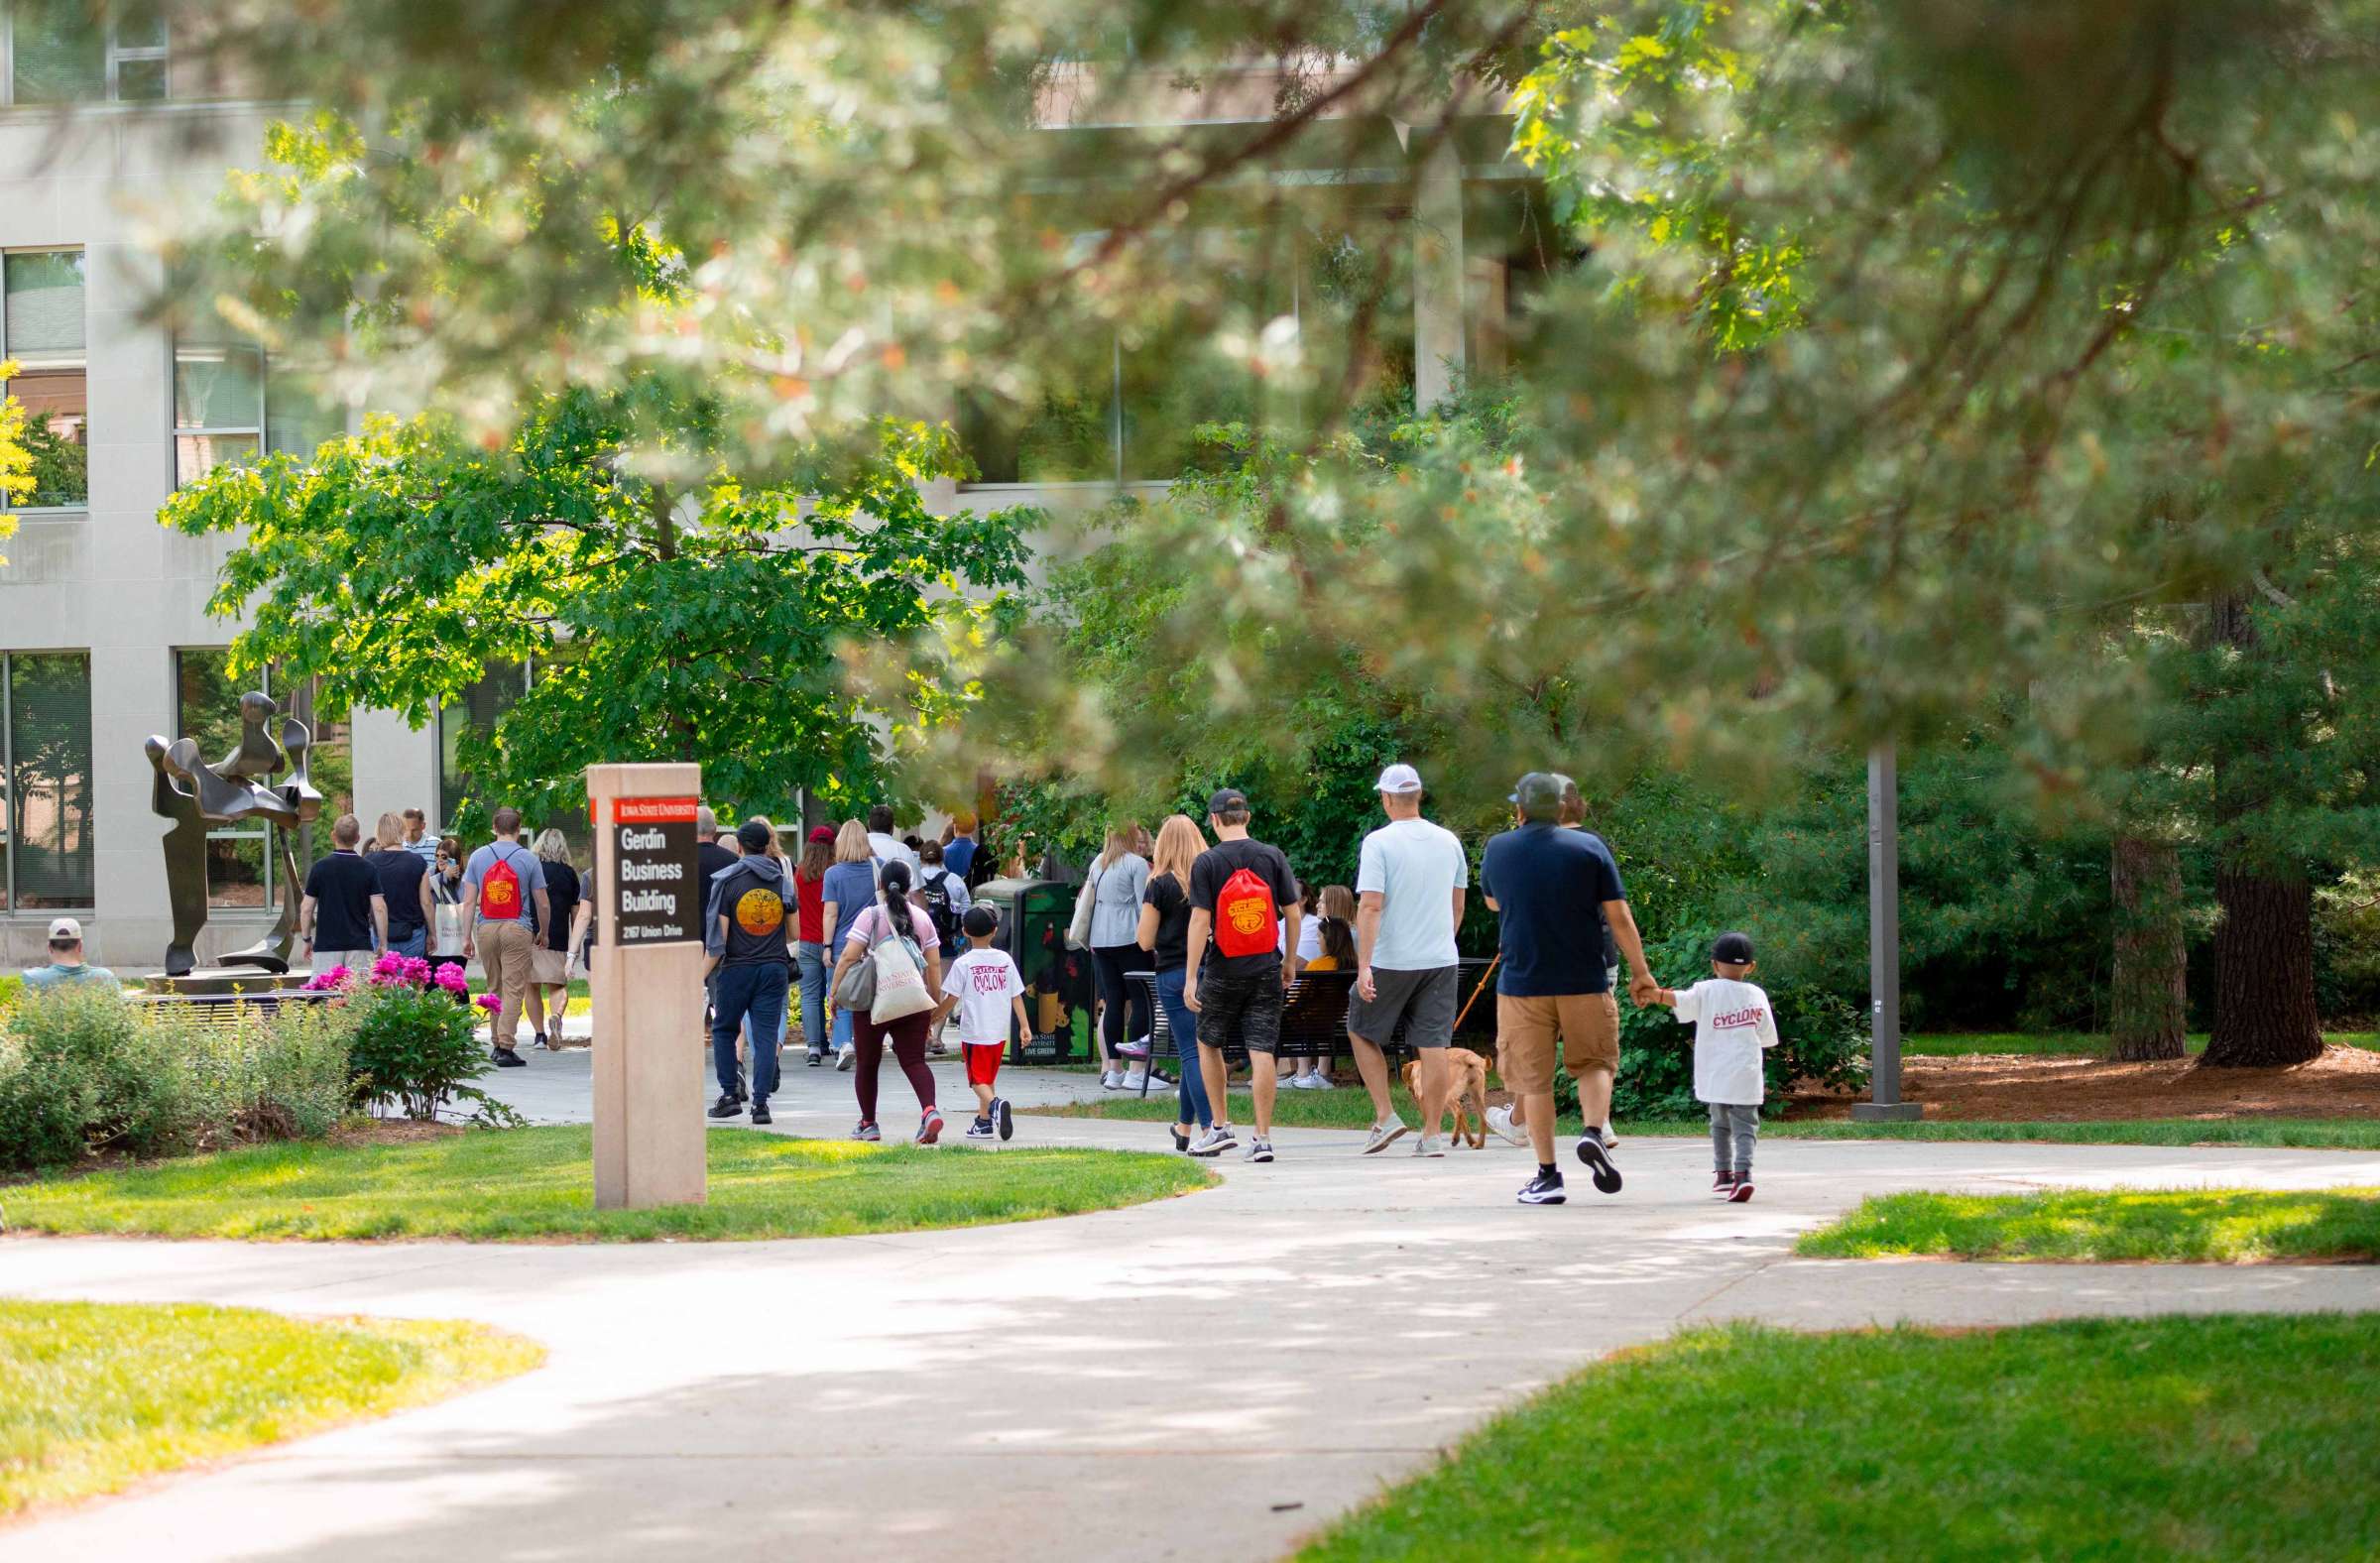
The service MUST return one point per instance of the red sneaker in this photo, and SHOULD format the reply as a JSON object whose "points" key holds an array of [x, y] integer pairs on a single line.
{"points": [[1742, 1191]]}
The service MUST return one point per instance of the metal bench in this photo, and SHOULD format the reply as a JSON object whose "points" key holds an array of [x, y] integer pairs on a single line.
{"points": [[226, 1011]]}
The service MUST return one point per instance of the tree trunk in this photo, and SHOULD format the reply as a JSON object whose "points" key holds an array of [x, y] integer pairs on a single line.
{"points": [[2264, 1013], [2150, 978]]}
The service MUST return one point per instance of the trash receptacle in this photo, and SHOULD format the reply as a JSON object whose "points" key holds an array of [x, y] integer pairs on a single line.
{"points": [[1033, 914]]}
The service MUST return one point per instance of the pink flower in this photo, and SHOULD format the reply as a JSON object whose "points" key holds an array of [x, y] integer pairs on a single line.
{"points": [[390, 965], [451, 979], [489, 1002]]}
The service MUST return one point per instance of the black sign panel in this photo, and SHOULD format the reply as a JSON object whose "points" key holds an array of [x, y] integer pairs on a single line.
{"points": [[657, 883]]}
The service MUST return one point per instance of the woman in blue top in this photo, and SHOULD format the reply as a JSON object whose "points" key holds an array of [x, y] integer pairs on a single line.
{"points": [[849, 891]]}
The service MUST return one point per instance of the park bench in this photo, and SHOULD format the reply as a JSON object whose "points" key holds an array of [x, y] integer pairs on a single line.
{"points": [[225, 1010]]}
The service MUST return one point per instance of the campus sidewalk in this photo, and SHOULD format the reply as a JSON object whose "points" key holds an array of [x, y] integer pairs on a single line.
{"points": [[1209, 1377]]}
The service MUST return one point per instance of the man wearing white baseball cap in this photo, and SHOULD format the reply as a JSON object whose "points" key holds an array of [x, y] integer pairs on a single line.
{"points": [[1409, 888], [66, 968]]}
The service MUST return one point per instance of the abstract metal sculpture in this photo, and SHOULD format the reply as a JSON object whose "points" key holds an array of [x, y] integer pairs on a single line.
{"points": [[195, 795]]}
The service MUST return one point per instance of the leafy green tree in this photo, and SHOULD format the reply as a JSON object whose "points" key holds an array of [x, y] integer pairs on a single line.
{"points": [[707, 621], [16, 462]]}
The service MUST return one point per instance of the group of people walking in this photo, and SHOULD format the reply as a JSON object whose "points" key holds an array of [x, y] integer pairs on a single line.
{"points": [[519, 909]]}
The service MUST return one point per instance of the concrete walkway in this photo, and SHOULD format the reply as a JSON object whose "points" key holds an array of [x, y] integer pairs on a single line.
{"points": [[1210, 1376]]}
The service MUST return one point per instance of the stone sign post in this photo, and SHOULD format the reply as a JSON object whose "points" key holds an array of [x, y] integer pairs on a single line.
{"points": [[647, 985]]}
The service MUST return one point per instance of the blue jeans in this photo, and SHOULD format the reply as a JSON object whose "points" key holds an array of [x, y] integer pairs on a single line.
{"points": [[1184, 1026], [757, 991], [416, 943], [811, 958]]}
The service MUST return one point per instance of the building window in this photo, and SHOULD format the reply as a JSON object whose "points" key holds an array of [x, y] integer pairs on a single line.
{"points": [[230, 405], [45, 781], [206, 707], [65, 52], [41, 328], [498, 688]]}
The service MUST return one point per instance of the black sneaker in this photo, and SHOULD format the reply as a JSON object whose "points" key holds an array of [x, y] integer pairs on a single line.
{"points": [[760, 1113], [505, 1058], [1004, 1116], [1599, 1162], [1543, 1189], [1722, 1185], [1742, 1189], [816, 1058], [728, 1104]]}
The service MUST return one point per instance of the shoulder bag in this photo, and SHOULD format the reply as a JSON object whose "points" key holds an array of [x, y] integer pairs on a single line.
{"points": [[900, 971], [1078, 931]]}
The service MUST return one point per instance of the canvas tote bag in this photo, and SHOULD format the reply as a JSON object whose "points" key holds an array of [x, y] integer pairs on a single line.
{"points": [[899, 976]]}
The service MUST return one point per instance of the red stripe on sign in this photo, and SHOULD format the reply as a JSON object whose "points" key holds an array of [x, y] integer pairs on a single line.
{"points": [[654, 810]]}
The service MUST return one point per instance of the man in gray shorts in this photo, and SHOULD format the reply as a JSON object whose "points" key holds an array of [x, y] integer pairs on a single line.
{"points": [[1409, 886]]}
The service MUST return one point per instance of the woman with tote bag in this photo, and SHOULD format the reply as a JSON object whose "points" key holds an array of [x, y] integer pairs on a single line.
{"points": [[1112, 896], [893, 954]]}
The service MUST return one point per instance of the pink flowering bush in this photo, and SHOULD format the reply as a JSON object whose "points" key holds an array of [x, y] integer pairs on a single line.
{"points": [[450, 979], [393, 970], [324, 982]]}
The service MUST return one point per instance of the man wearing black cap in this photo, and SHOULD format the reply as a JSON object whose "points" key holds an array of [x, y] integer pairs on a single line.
{"points": [[749, 909], [1554, 890], [1236, 975]]}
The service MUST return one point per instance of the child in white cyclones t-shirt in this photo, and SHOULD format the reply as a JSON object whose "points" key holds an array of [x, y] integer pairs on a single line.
{"points": [[1733, 1024], [985, 987]]}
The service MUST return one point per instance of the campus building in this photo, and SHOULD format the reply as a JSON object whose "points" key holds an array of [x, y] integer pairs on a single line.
{"points": [[105, 638]]}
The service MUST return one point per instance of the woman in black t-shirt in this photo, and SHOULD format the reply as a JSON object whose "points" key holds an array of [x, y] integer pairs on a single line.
{"points": [[549, 957], [1165, 935]]}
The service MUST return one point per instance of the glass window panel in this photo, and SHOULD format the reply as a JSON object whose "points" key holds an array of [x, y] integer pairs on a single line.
{"points": [[478, 710], [1063, 431], [44, 312], [195, 455], [58, 52], [140, 80], [206, 701], [296, 421], [58, 435], [50, 778], [139, 24], [218, 386], [235, 869]]}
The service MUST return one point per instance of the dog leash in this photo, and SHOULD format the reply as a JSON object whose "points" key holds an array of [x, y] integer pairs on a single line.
{"points": [[1465, 1013]]}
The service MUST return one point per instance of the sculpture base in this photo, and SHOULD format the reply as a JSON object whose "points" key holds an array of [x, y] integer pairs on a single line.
{"points": [[223, 981], [1887, 1112]]}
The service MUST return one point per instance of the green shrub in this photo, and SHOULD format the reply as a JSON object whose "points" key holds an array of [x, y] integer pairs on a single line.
{"points": [[11, 989], [1822, 1039], [412, 1047], [84, 1070]]}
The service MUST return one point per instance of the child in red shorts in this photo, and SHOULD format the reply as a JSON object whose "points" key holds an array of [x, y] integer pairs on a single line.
{"points": [[985, 987]]}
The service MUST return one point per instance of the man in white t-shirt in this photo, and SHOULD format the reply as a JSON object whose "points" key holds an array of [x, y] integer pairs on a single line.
{"points": [[1409, 888], [986, 988], [885, 847]]}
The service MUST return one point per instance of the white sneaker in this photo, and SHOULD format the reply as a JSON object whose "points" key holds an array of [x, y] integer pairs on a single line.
{"points": [[1111, 1080], [1499, 1119], [1319, 1082], [1214, 1142], [1138, 1080], [1611, 1139], [1382, 1136], [1428, 1146], [847, 1055]]}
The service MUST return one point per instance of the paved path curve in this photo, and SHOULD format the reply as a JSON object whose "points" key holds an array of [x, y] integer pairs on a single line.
{"points": [[1210, 1376]]}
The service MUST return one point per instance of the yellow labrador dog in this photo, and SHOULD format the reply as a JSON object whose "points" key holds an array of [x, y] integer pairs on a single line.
{"points": [[1467, 1102]]}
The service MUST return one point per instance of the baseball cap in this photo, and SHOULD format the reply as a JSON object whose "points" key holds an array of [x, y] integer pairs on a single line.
{"points": [[823, 833], [66, 929], [752, 836], [978, 921], [1539, 794], [1732, 949], [1227, 800], [1401, 779]]}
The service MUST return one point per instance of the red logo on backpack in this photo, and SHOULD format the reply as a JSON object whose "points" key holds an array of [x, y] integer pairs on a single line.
{"points": [[500, 894], [1244, 914]]}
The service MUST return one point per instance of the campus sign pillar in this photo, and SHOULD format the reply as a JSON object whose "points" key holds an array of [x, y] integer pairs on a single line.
{"points": [[647, 985], [1884, 941]]}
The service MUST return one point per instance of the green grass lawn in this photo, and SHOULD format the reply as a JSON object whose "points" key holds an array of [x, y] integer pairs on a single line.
{"points": [[1350, 1107], [2175, 1226], [2230, 1436], [2087, 1044], [94, 1396], [514, 1184]]}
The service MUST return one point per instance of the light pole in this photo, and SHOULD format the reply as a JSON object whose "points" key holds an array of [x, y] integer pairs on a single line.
{"points": [[1884, 942]]}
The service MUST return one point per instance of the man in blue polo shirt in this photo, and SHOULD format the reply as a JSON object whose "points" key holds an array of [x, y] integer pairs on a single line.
{"points": [[1554, 891]]}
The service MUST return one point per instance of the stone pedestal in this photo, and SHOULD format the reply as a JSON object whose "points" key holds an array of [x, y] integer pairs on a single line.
{"points": [[647, 990]]}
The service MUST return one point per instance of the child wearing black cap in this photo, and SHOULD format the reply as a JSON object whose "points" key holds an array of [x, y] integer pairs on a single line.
{"points": [[986, 988], [1733, 1024]]}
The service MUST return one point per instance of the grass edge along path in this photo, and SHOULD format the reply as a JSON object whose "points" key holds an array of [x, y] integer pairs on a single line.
{"points": [[2196, 1226], [1349, 1107], [537, 1184], [2209, 1436], [97, 1397]]}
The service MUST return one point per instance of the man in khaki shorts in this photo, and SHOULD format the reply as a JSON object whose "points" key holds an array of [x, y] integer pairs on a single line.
{"points": [[1554, 890]]}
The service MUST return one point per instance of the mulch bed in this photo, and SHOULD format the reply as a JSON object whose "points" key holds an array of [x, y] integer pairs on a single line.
{"points": [[2030, 1088]]}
